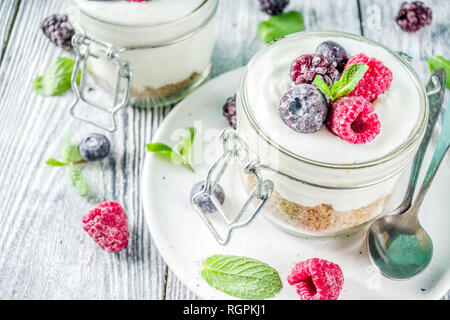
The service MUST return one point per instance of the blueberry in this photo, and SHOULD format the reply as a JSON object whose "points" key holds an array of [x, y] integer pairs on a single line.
{"points": [[303, 108], [334, 52], [94, 147], [204, 202]]}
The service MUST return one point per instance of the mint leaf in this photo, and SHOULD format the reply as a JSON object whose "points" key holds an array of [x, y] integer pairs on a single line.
{"points": [[440, 62], [241, 277], [318, 81], [346, 84], [280, 26], [78, 181], [56, 163], [164, 150], [57, 79], [349, 80], [184, 148], [69, 152]]}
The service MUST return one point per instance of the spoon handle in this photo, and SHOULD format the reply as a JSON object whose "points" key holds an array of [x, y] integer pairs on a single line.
{"points": [[439, 154], [435, 90]]}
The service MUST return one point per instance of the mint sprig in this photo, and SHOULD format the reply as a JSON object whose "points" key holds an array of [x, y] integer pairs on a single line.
{"points": [[280, 26], [346, 84], [70, 157], [440, 62], [57, 79], [182, 154], [241, 277]]}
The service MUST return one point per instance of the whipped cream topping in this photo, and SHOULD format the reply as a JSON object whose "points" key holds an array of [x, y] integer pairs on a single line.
{"points": [[138, 13], [268, 79]]}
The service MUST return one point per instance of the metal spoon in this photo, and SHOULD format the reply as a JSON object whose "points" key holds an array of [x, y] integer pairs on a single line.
{"points": [[398, 245]]}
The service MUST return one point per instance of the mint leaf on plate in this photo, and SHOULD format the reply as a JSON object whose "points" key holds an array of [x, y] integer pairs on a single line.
{"points": [[346, 84], [78, 181], [57, 80], [183, 149], [440, 62], [241, 277], [280, 26]]}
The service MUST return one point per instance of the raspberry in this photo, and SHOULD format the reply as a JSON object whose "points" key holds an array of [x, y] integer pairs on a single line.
{"points": [[59, 30], [354, 120], [229, 111], [317, 279], [334, 52], [273, 7], [204, 202], [305, 68], [413, 16], [376, 80], [303, 108], [136, 0], [107, 225]]}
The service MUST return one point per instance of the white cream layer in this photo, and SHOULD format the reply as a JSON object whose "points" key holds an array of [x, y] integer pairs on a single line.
{"points": [[398, 109], [139, 13]]}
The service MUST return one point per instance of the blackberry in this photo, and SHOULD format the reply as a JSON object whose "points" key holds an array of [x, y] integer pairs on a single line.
{"points": [[413, 16], [59, 30], [94, 147], [273, 7], [305, 68], [204, 202], [229, 111], [334, 52], [304, 108]]}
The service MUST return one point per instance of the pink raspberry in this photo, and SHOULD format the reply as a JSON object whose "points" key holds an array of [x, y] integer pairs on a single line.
{"points": [[354, 120], [305, 68], [317, 279], [376, 81], [107, 225]]}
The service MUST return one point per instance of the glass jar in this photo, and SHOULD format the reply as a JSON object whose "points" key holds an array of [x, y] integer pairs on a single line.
{"points": [[167, 60], [307, 197]]}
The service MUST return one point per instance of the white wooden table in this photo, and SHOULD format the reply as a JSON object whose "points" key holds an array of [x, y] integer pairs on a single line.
{"points": [[44, 252]]}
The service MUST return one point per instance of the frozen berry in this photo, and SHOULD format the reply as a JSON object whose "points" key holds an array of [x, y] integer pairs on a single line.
{"points": [[413, 16], [59, 30], [204, 201], [317, 279], [229, 111], [305, 68], [334, 52], [303, 108], [94, 147], [273, 7], [107, 225], [376, 81], [354, 120]]}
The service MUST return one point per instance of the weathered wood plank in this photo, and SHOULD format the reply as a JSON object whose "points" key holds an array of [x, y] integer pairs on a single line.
{"points": [[45, 254], [8, 10]]}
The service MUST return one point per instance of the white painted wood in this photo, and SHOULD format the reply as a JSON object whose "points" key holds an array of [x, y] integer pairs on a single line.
{"points": [[44, 253], [8, 11]]}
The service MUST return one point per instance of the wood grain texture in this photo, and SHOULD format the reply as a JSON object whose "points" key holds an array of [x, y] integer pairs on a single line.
{"points": [[8, 11], [44, 253]]}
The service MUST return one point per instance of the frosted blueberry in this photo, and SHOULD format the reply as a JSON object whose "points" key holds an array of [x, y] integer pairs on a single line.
{"points": [[204, 202], [303, 108]]}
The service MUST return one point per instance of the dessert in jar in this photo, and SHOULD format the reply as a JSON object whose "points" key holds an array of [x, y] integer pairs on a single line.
{"points": [[334, 155], [166, 43]]}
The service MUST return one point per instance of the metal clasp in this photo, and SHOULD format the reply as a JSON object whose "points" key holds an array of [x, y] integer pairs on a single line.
{"points": [[81, 44], [233, 147]]}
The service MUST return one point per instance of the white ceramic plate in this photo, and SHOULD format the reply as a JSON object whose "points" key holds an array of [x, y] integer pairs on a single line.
{"points": [[184, 241]]}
